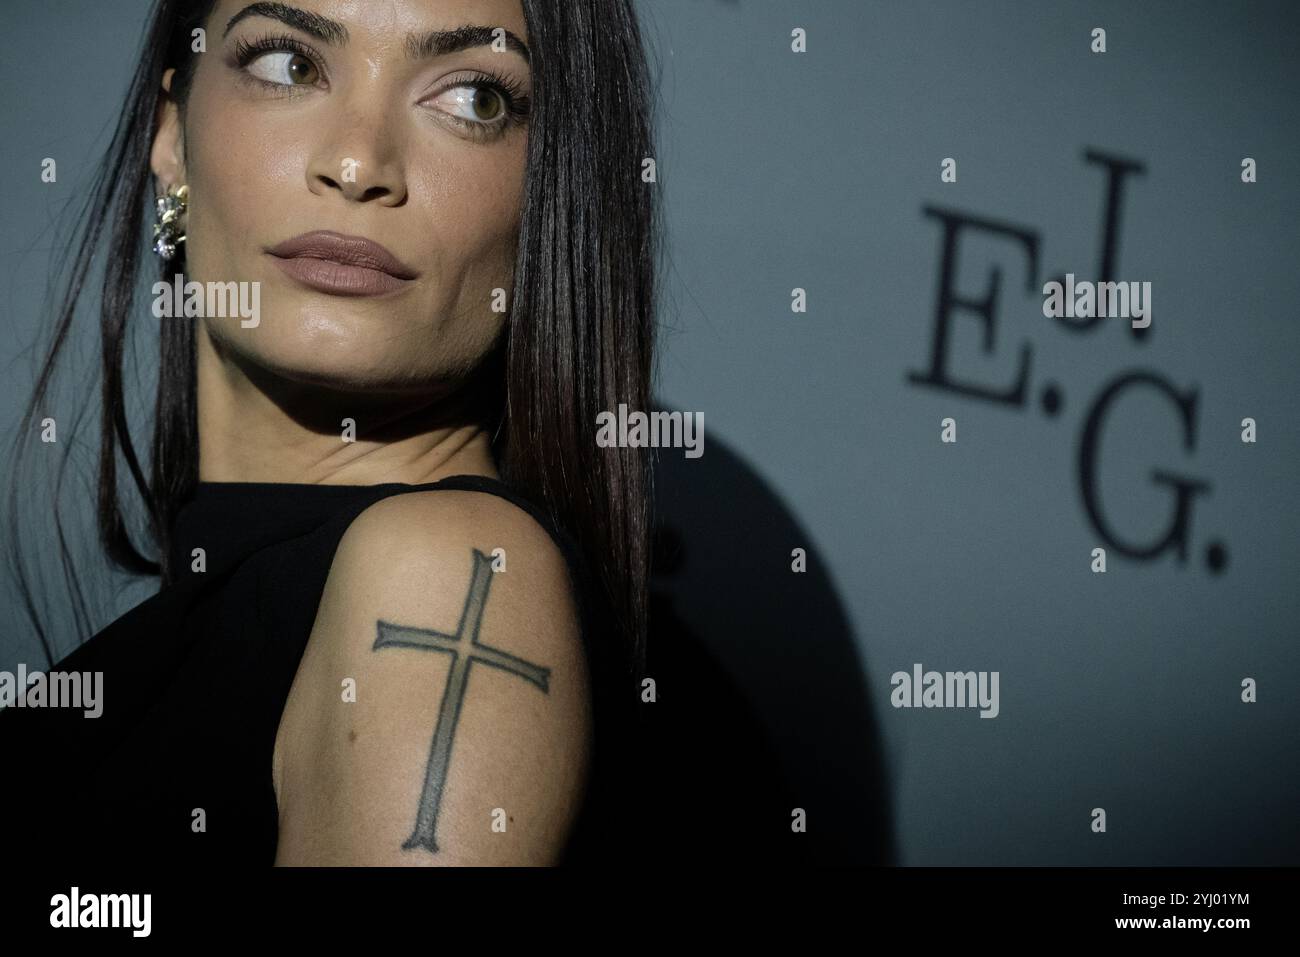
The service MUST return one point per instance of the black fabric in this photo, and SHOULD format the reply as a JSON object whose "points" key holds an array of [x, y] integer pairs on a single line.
{"points": [[195, 681]]}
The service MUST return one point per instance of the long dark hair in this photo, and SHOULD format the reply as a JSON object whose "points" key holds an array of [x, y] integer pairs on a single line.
{"points": [[578, 341]]}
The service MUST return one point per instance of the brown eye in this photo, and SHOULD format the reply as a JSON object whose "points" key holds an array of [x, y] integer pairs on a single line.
{"points": [[302, 69], [284, 68], [487, 104]]}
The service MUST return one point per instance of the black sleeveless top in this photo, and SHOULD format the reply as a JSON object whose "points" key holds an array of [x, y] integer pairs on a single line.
{"points": [[195, 679]]}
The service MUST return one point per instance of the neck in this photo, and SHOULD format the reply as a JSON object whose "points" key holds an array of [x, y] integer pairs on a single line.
{"points": [[255, 426]]}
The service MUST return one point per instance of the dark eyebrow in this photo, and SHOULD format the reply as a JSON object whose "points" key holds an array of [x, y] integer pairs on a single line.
{"points": [[433, 43], [322, 28], [438, 42]]}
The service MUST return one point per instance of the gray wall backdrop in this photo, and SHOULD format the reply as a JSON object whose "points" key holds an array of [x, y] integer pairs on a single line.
{"points": [[814, 170]]}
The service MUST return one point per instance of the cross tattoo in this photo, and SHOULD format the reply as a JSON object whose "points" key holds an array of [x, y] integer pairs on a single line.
{"points": [[463, 654]]}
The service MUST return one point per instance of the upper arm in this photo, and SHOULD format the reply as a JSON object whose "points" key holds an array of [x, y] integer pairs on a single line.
{"points": [[404, 741]]}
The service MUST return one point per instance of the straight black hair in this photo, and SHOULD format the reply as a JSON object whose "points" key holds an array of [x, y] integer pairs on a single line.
{"points": [[579, 336]]}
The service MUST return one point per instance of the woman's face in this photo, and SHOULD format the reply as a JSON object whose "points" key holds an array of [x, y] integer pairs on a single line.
{"points": [[392, 121]]}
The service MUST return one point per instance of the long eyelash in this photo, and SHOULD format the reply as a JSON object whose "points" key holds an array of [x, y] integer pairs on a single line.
{"points": [[248, 50]]}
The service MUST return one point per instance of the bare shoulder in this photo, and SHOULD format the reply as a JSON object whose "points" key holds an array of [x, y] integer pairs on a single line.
{"points": [[418, 540], [440, 714]]}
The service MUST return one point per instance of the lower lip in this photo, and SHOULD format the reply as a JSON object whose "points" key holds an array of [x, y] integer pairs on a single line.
{"points": [[340, 279]]}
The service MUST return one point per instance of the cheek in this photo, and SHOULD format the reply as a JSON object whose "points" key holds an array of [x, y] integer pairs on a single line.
{"points": [[469, 202], [242, 172]]}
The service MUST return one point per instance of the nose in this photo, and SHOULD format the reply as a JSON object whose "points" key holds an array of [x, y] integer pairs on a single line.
{"points": [[360, 158]]}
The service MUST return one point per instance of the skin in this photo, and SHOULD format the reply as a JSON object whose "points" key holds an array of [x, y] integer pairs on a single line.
{"points": [[356, 779]]}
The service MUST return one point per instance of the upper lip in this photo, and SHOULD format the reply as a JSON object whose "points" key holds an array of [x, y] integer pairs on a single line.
{"points": [[349, 250]]}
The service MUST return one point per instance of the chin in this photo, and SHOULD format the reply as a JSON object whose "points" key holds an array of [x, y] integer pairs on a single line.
{"points": [[348, 371], [340, 363]]}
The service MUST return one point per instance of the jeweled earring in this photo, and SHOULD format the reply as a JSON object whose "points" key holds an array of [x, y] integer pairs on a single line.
{"points": [[167, 231]]}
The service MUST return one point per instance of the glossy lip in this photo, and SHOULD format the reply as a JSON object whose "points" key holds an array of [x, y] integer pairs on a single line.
{"points": [[341, 265]]}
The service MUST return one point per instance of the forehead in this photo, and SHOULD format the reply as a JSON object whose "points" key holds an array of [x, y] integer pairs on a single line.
{"points": [[386, 22]]}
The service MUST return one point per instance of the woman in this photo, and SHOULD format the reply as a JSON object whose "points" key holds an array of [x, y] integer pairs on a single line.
{"points": [[403, 590]]}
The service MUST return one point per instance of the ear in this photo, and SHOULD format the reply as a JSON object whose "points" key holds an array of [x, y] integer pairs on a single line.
{"points": [[166, 159]]}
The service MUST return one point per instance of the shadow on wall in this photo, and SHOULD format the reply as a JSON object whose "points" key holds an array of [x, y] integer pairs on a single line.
{"points": [[762, 697]]}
